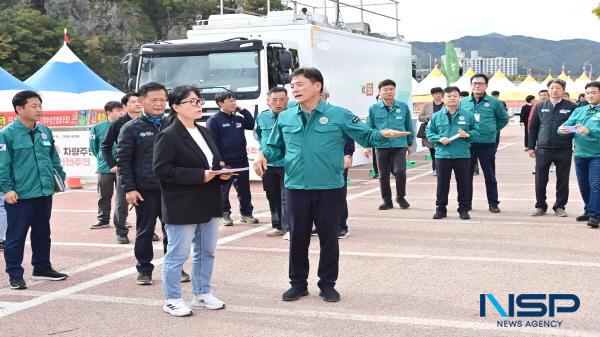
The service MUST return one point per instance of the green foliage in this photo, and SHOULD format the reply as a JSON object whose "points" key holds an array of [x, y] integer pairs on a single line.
{"points": [[28, 40], [597, 10]]}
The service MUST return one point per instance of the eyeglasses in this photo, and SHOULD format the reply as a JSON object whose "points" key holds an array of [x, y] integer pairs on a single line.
{"points": [[194, 102], [477, 83]]}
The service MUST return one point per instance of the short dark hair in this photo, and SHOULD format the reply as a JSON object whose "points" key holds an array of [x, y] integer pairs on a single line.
{"points": [[581, 95], [567, 93], [385, 82], [529, 98], [20, 98], [180, 93], [480, 75], [495, 93], [313, 74], [110, 106], [436, 90], [222, 96], [464, 93], [450, 89], [542, 91], [593, 84], [277, 89], [152, 86], [558, 81], [126, 98]]}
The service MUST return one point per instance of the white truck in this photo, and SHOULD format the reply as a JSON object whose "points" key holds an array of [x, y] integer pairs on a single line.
{"points": [[249, 55]]}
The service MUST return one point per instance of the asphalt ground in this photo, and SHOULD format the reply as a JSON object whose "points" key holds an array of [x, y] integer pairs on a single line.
{"points": [[401, 273]]}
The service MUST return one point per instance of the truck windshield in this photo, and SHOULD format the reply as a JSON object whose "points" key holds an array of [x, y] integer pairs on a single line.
{"points": [[234, 71]]}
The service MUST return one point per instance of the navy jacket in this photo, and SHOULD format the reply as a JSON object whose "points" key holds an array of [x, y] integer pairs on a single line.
{"points": [[228, 133], [546, 120]]}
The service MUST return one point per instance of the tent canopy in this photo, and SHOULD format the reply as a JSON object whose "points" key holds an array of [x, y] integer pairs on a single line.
{"points": [[434, 79], [65, 72], [529, 86], [464, 82], [9, 82]]}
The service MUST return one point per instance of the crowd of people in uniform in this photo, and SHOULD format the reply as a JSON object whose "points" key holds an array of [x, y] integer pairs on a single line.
{"points": [[173, 170]]}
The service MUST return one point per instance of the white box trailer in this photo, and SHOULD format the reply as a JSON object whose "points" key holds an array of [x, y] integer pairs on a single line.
{"points": [[248, 55]]}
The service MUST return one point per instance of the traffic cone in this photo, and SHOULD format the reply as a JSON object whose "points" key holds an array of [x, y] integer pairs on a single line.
{"points": [[73, 183]]}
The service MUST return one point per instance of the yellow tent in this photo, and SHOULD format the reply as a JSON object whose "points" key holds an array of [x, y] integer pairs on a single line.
{"points": [[421, 93], [579, 85], [464, 82], [529, 86]]}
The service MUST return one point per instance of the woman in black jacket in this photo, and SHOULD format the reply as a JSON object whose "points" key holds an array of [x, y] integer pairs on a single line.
{"points": [[184, 155]]}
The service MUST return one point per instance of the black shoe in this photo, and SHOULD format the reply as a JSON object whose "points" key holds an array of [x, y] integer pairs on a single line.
{"points": [[155, 237], [376, 176], [48, 274], [494, 209], [583, 217], [314, 232], [99, 225], [342, 234], [18, 283], [329, 294], [144, 279], [386, 205], [185, 277], [439, 215], [122, 239], [403, 203], [464, 216], [1, 244], [594, 222], [469, 208], [294, 293]]}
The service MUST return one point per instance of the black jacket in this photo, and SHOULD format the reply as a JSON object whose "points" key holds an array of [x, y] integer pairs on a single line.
{"points": [[111, 140], [524, 116], [179, 164], [228, 133], [135, 149], [545, 122]]}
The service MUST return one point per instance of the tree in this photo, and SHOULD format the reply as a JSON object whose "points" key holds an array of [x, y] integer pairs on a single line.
{"points": [[597, 11], [28, 39]]}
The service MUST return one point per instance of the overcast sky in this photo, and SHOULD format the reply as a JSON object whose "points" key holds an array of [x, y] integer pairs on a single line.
{"points": [[428, 20]]}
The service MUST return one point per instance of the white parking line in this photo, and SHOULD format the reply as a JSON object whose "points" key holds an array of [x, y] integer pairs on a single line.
{"points": [[350, 317], [106, 278], [581, 264]]}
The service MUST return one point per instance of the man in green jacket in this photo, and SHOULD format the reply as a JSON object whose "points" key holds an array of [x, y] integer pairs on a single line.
{"points": [[310, 138], [451, 130], [273, 177], [586, 120], [389, 113], [490, 117], [106, 179], [28, 165]]}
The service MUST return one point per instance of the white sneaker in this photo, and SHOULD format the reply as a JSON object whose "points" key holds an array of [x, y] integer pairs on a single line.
{"points": [[207, 301], [286, 236], [176, 307]]}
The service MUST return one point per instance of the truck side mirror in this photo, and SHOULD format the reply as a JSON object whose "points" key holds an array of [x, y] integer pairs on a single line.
{"points": [[131, 84], [131, 62], [284, 78], [285, 60]]}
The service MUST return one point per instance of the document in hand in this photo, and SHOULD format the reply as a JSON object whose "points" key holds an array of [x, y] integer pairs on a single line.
{"points": [[456, 136], [229, 170], [59, 183], [571, 129]]}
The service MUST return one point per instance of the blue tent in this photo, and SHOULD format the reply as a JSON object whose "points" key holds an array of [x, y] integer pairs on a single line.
{"points": [[66, 73], [9, 82]]}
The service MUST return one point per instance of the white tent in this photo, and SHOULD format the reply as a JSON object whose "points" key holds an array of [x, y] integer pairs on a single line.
{"points": [[9, 86], [464, 82], [529, 86], [502, 84], [570, 83], [66, 83], [579, 85], [434, 79]]}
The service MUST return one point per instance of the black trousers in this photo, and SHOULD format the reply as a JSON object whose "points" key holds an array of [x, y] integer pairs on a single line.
{"points": [[241, 183], [486, 154], [31, 213], [526, 134], [392, 161], [275, 190], [432, 153], [462, 175], [344, 215], [146, 214], [375, 169], [106, 187], [323, 208], [561, 158]]}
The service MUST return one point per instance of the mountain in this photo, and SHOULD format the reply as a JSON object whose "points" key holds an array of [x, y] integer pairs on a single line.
{"points": [[537, 54]]}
